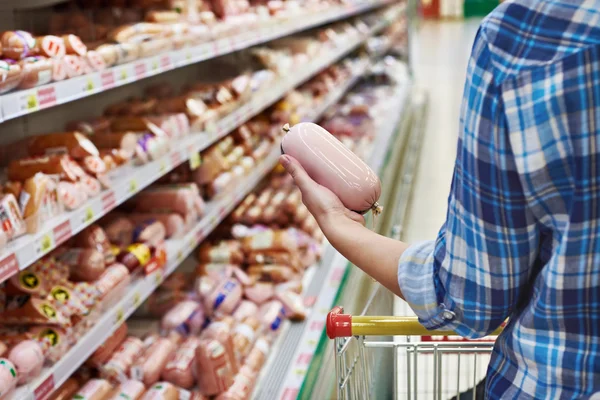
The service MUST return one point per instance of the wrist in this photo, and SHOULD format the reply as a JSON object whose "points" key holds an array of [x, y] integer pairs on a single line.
{"points": [[333, 222]]}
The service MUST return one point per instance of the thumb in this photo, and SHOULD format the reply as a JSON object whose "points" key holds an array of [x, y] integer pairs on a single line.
{"points": [[293, 167]]}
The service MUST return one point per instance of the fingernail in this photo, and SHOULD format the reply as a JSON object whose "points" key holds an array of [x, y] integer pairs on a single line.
{"points": [[284, 160]]}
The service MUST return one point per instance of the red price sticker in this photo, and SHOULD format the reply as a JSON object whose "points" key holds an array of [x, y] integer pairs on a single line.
{"points": [[310, 301], [317, 325], [43, 391], [176, 158], [8, 267], [140, 70], [108, 79], [166, 63], [290, 394], [46, 96], [304, 358], [337, 275], [109, 201], [62, 233]]}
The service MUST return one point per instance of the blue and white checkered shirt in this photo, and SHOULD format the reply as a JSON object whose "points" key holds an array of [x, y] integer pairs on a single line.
{"points": [[522, 234]]}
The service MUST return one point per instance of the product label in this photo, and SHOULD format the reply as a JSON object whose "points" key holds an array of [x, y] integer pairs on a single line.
{"points": [[29, 280], [263, 240], [141, 252], [219, 254]]}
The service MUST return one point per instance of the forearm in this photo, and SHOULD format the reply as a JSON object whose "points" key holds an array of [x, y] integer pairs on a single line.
{"points": [[377, 255]]}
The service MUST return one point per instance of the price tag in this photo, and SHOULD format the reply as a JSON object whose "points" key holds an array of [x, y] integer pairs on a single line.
{"points": [[133, 186], [158, 278], [123, 75], [8, 267], [31, 102], [195, 160], [188, 56], [192, 243], [179, 256], [89, 85], [120, 316], [214, 220], [44, 390], [154, 66], [89, 215], [137, 299], [163, 166]]}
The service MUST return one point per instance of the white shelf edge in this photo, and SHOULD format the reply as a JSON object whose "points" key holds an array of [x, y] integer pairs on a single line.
{"points": [[24, 102], [24, 251], [177, 251]]}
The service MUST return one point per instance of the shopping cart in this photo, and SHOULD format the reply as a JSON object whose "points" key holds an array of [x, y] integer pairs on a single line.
{"points": [[420, 352]]}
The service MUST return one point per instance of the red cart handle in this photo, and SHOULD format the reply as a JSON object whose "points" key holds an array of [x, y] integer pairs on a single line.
{"points": [[338, 324]]}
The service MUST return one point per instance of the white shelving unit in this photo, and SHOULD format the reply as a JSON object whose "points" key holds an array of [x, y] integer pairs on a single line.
{"points": [[177, 251], [22, 252]]}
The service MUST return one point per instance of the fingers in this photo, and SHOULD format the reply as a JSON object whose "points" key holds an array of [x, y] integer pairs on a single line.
{"points": [[293, 167]]}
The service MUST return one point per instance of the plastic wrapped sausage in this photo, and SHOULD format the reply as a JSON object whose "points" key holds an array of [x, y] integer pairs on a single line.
{"points": [[224, 298], [104, 352], [66, 391], [149, 367], [10, 76], [162, 391], [293, 304], [75, 144], [119, 231], [119, 364], [36, 71], [225, 252], [186, 318], [260, 292], [94, 237], [28, 358], [215, 374], [128, 390], [272, 315], [85, 264], [334, 166], [245, 309], [150, 231], [95, 389], [222, 331], [174, 223], [180, 370], [8, 377]]}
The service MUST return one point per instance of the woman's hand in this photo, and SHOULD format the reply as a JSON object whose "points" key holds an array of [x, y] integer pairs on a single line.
{"points": [[322, 203]]}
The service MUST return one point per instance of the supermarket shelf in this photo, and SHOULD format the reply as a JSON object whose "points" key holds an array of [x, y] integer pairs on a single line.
{"points": [[29, 101], [177, 251], [284, 378], [22, 252]]}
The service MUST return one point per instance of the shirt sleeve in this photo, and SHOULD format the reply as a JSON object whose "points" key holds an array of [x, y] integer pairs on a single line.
{"points": [[469, 279]]}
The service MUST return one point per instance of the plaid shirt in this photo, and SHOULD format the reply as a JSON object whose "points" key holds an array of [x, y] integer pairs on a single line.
{"points": [[522, 234]]}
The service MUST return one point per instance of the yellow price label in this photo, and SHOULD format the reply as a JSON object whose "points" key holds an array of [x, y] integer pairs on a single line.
{"points": [[120, 316], [89, 215], [163, 167], [193, 242], [214, 220], [154, 66], [180, 256], [312, 342], [158, 278], [188, 56], [195, 160], [133, 186], [90, 85], [123, 74], [32, 102], [300, 372], [46, 243], [137, 299]]}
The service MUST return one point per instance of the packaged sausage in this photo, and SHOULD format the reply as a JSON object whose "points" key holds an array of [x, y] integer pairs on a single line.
{"points": [[135, 256], [94, 237], [174, 223], [17, 44], [66, 391], [50, 46], [95, 389], [358, 188], [118, 366], [128, 390], [104, 352], [74, 45], [35, 71], [10, 76], [71, 195], [225, 252], [34, 312], [180, 370], [258, 354], [59, 71], [260, 292], [272, 315], [245, 309], [270, 240], [85, 264], [119, 230], [38, 200], [224, 298], [162, 391], [215, 374], [150, 231], [244, 335], [183, 199], [150, 365], [274, 257], [28, 358], [8, 377], [74, 144], [186, 318], [11, 218], [293, 304], [20, 170], [271, 272]]}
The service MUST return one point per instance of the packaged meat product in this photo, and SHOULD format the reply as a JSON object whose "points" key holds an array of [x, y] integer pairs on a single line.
{"points": [[10, 76], [95, 389], [215, 374], [181, 369], [224, 298], [135, 256], [219, 184], [66, 391], [224, 252], [270, 240], [258, 354], [11, 218], [183, 199], [125, 141], [17, 44], [38, 200], [95, 60], [74, 45], [174, 223], [260, 292], [242, 387], [245, 309], [274, 257], [71, 195], [150, 231], [3, 349], [112, 283], [295, 285], [119, 364], [162, 391], [186, 318], [90, 126], [222, 331], [244, 335], [74, 144], [34, 312], [333, 166], [128, 390], [104, 352], [84, 264], [59, 71], [35, 71], [271, 272], [293, 304], [148, 368], [119, 230], [242, 277], [20, 170], [94, 237], [8, 377], [28, 358], [272, 315]]}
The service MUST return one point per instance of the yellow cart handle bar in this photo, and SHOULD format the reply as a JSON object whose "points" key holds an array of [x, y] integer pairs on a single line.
{"points": [[345, 325]]}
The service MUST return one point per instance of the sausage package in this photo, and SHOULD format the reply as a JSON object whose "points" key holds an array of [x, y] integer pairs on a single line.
{"points": [[333, 166]]}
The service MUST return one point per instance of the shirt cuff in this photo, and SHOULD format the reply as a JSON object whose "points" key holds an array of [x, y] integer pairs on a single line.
{"points": [[416, 280]]}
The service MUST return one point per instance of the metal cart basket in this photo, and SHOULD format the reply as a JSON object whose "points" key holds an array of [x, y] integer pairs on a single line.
{"points": [[426, 364]]}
